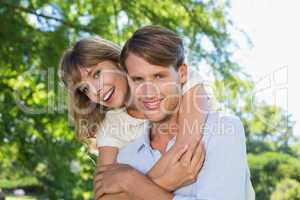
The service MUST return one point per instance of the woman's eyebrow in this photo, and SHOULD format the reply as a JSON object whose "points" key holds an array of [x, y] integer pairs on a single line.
{"points": [[91, 71]]}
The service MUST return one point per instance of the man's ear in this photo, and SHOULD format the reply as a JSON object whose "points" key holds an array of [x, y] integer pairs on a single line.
{"points": [[183, 73]]}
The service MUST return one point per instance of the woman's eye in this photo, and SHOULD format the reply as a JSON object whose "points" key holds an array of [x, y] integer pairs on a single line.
{"points": [[97, 74]]}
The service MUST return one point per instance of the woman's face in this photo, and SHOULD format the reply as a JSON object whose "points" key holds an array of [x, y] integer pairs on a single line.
{"points": [[105, 84]]}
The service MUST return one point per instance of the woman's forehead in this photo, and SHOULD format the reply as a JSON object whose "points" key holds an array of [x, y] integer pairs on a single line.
{"points": [[84, 71]]}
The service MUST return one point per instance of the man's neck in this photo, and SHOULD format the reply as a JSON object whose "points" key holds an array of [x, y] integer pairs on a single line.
{"points": [[162, 132]]}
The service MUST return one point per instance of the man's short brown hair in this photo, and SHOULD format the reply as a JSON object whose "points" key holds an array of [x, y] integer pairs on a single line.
{"points": [[155, 44]]}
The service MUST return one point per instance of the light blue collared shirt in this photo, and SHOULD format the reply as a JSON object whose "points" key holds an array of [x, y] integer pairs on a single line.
{"points": [[225, 173]]}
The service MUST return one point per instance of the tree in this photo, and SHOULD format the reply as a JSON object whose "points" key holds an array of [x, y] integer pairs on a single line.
{"points": [[287, 189], [269, 168], [36, 138]]}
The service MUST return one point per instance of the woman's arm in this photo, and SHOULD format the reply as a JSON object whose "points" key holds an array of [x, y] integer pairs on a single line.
{"points": [[179, 166], [192, 115], [120, 196], [107, 155]]}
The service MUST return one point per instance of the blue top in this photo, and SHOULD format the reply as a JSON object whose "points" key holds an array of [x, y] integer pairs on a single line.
{"points": [[225, 173]]}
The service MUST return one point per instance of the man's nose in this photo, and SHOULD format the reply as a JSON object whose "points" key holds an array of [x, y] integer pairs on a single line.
{"points": [[149, 89]]}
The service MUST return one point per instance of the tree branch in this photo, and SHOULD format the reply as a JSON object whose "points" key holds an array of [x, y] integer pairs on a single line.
{"points": [[32, 11], [116, 21]]}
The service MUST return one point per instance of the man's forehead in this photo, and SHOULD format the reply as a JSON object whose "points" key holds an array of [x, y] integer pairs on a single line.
{"points": [[150, 70]]}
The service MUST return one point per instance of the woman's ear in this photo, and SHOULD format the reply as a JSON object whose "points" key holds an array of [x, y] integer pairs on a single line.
{"points": [[183, 73]]}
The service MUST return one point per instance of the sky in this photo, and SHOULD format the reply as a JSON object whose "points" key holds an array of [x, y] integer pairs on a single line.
{"points": [[272, 57]]}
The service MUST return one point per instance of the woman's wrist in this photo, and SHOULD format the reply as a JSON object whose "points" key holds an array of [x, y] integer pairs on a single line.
{"points": [[151, 174], [163, 183], [129, 179]]}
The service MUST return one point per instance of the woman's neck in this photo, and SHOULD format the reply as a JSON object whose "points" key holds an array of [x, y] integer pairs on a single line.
{"points": [[132, 111]]}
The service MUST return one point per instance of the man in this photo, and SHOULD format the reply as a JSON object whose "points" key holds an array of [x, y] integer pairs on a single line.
{"points": [[154, 59]]}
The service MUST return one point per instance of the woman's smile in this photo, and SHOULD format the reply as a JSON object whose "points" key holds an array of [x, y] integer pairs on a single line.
{"points": [[108, 96]]}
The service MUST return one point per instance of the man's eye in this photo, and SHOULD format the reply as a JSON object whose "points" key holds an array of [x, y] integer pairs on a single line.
{"points": [[97, 74], [158, 76], [137, 79]]}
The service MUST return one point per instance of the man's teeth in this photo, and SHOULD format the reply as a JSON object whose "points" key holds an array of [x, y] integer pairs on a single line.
{"points": [[106, 97], [152, 105]]}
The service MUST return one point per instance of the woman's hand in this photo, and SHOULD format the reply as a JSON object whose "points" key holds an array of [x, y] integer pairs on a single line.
{"points": [[112, 179], [181, 166], [163, 163]]}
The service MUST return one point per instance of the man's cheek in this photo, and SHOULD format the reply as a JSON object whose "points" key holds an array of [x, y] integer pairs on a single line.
{"points": [[170, 104], [137, 97], [171, 87]]}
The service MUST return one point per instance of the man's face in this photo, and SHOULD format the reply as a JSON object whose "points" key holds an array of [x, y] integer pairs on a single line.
{"points": [[156, 89]]}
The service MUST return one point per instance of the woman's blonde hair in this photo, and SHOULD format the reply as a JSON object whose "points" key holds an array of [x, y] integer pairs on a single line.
{"points": [[87, 52]]}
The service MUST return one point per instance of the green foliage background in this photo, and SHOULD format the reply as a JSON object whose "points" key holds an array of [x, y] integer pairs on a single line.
{"points": [[37, 146]]}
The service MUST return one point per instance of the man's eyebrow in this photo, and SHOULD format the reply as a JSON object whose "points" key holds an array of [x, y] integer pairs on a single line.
{"points": [[160, 72], [135, 76]]}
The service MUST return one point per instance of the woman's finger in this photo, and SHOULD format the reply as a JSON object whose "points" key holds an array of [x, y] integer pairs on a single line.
{"points": [[99, 193], [98, 177], [97, 186], [101, 168], [186, 158], [198, 158], [179, 153], [97, 189]]}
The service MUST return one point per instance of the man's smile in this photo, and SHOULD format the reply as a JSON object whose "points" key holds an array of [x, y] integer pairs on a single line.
{"points": [[152, 104]]}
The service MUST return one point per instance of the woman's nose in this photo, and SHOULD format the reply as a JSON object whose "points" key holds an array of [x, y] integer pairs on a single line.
{"points": [[93, 89], [97, 86]]}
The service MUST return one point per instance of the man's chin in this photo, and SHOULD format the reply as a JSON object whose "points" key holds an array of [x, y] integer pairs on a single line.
{"points": [[155, 116]]}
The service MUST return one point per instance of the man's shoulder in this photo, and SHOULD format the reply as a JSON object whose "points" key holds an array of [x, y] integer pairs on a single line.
{"points": [[223, 116], [224, 132], [222, 123]]}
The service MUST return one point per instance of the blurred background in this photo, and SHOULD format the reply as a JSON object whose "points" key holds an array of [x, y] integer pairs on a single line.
{"points": [[246, 50]]}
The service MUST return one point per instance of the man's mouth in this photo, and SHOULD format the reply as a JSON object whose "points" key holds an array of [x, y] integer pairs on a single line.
{"points": [[108, 96], [152, 104]]}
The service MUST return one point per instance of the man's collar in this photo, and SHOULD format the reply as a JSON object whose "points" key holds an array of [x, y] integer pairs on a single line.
{"points": [[144, 141]]}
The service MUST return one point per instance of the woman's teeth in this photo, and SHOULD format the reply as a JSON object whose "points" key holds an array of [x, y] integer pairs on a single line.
{"points": [[108, 95]]}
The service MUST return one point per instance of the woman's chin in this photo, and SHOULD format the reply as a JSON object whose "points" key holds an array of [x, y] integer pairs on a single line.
{"points": [[116, 104]]}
